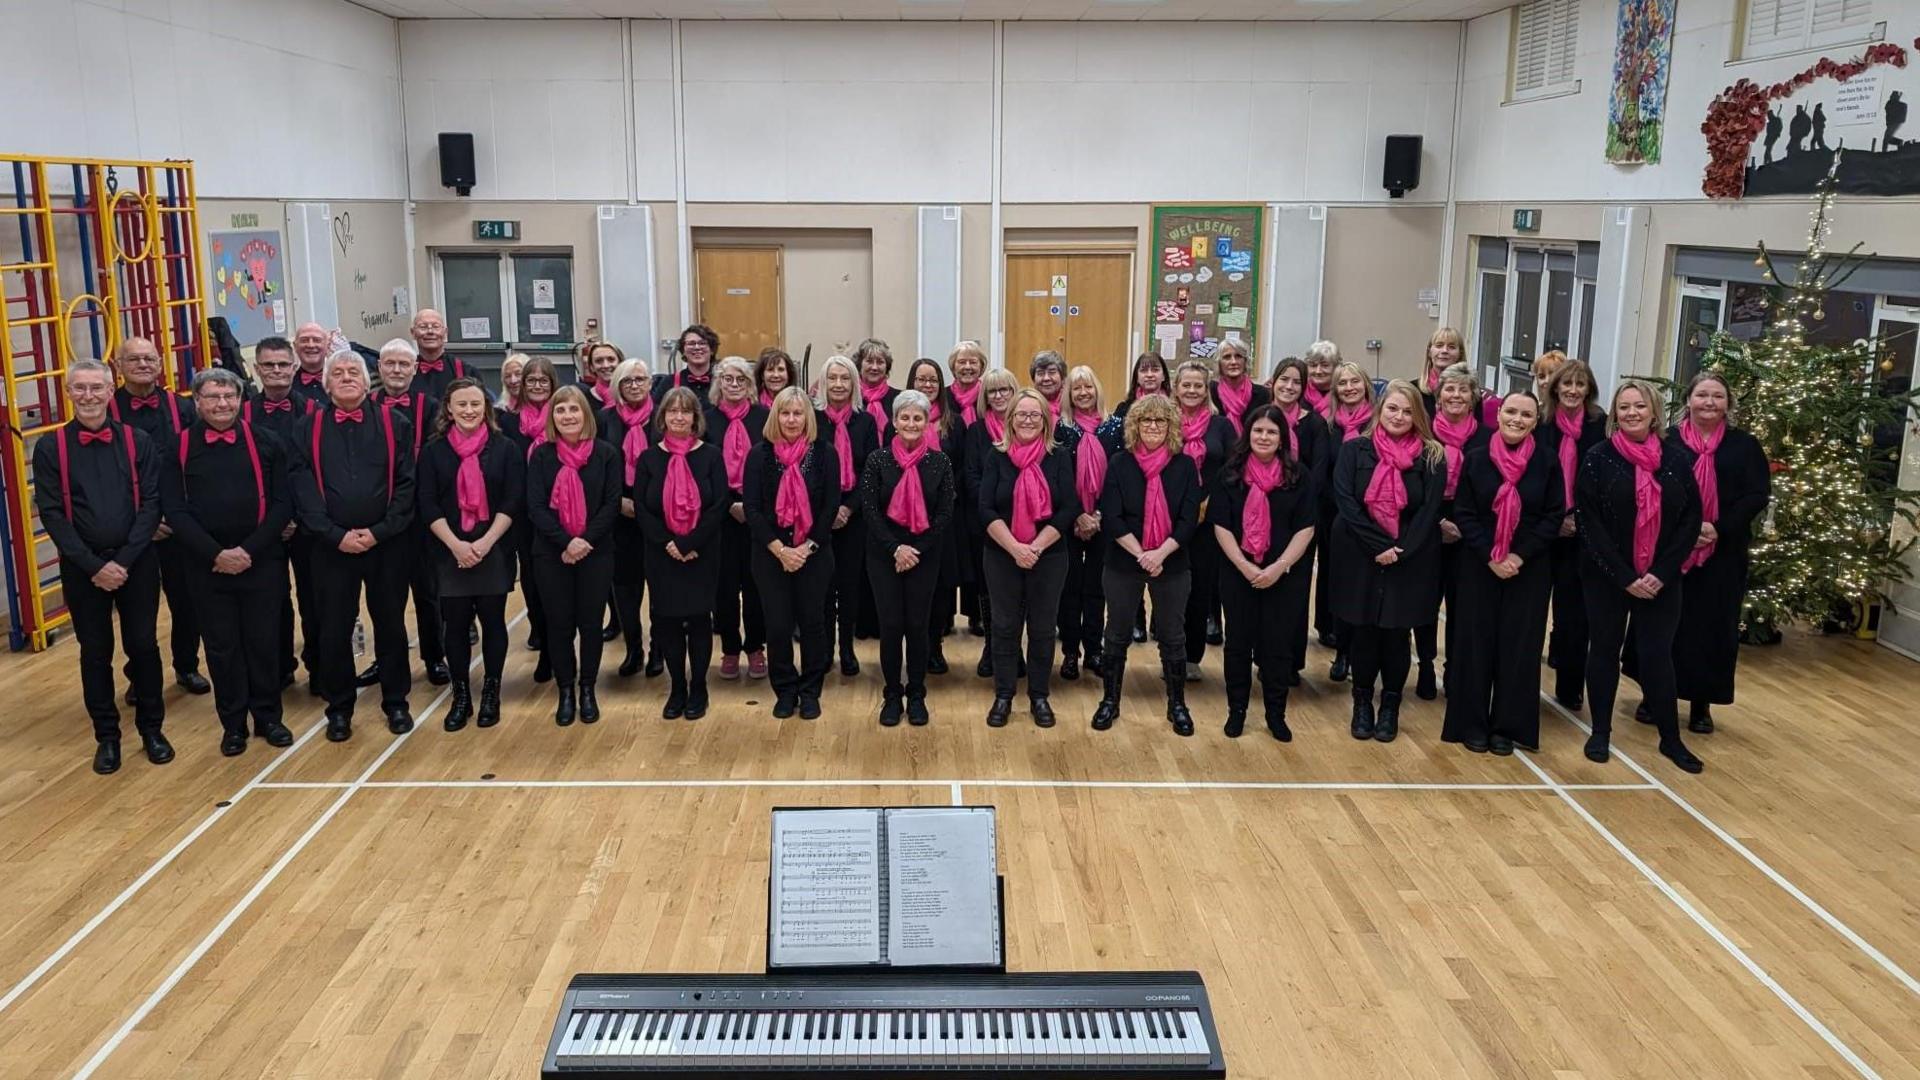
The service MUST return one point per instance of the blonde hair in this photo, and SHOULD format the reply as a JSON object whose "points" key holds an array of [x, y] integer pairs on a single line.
{"points": [[967, 348], [1657, 424], [1444, 335], [997, 379], [1238, 348], [1046, 420], [789, 394], [1084, 374], [589, 428], [1433, 451], [1151, 407], [1346, 367], [732, 363], [1206, 373], [511, 398]]}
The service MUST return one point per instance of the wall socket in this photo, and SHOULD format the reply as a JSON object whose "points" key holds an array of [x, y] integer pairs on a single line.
{"points": [[1374, 344]]}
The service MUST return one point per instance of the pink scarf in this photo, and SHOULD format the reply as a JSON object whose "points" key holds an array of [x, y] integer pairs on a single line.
{"points": [[1490, 411], [1387, 491], [1644, 456], [1156, 525], [966, 396], [1569, 424], [934, 412], [840, 416], [790, 503], [1054, 404], [533, 424], [634, 442], [1351, 419], [1512, 462], [1453, 435], [469, 483], [601, 393], [1089, 461], [1193, 433], [1235, 396], [908, 506], [569, 498], [1316, 397], [1032, 499], [736, 442], [1141, 391], [766, 399], [1292, 414], [1706, 475], [679, 493], [1256, 517], [1433, 379], [996, 426], [875, 396]]}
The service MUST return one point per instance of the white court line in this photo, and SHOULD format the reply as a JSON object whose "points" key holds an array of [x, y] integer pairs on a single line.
{"points": [[956, 785], [1745, 961], [955, 793], [1833, 922]]}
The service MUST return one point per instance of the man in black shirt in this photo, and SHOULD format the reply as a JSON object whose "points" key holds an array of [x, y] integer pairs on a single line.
{"points": [[435, 368], [143, 403], [280, 411], [224, 488], [352, 478], [401, 392], [97, 487], [312, 344]]}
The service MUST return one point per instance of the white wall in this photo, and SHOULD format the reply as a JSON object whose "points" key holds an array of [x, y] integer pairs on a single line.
{"points": [[1273, 111], [288, 99], [1555, 149]]}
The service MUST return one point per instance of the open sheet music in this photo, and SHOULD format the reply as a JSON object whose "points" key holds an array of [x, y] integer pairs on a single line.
{"points": [[907, 887]]}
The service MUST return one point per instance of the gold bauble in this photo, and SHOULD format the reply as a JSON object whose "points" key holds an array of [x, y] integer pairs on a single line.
{"points": [[1866, 438], [1887, 364], [1819, 314]]}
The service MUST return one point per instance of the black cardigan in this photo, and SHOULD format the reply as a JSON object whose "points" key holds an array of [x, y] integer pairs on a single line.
{"points": [[1294, 506], [1123, 505], [877, 481], [503, 465], [1603, 493], [717, 424], [1746, 486], [1543, 500], [821, 468], [863, 438], [648, 493], [1363, 592], [602, 477], [996, 493]]}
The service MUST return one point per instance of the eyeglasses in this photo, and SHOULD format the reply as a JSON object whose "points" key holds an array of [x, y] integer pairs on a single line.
{"points": [[140, 358], [1152, 421], [734, 380], [536, 380]]}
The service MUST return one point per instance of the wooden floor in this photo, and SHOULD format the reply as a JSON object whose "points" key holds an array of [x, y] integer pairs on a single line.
{"points": [[414, 906]]}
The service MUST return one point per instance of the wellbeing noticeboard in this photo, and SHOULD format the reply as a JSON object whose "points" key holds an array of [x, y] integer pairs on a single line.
{"points": [[1206, 283]]}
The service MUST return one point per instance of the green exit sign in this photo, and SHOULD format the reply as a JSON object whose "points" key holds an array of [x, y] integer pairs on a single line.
{"points": [[496, 230], [1526, 221]]}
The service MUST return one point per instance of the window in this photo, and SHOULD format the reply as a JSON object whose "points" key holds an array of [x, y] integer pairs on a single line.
{"points": [[1777, 27], [1546, 43]]}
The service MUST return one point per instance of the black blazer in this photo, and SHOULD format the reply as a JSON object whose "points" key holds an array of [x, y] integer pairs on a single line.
{"points": [[1294, 506], [1364, 593], [1123, 504], [602, 477], [821, 468], [877, 482], [502, 463], [1746, 486], [1603, 494], [1261, 395], [996, 493], [1543, 499]]}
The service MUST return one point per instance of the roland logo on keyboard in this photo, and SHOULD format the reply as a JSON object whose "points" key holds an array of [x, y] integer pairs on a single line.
{"points": [[1169, 997]]}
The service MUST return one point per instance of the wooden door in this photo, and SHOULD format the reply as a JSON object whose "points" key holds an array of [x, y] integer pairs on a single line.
{"points": [[1079, 304], [739, 296]]}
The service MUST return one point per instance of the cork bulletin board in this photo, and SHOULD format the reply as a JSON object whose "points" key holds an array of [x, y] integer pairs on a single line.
{"points": [[1206, 284]]}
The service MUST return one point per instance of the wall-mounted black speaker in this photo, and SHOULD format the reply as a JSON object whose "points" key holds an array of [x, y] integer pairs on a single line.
{"points": [[1400, 172], [456, 161]]}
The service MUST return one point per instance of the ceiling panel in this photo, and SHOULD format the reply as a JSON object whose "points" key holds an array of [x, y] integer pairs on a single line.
{"points": [[1089, 10]]}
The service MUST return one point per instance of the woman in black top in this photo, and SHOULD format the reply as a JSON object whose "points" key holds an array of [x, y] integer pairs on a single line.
{"points": [[1387, 488], [1149, 376], [573, 499], [626, 426], [526, 427], [1207, 438], [1082, 601], [848, 427], [791, 495], [946, 429], [1508, 507], [907, 491], [472, 522], [1028, 501], [1314, 449], [680, 497], [1639, 513], [734, 423], [997, 388], [1571, 423], [1347, 412], [1457, 428], [1148, 513], [1263, 509]]}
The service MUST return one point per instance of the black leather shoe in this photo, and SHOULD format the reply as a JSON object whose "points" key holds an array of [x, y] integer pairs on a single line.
{"points": [[159, 750], [369, 677], [437, 673], [936, 660], [536, 641], [1213, 632], [1571, 702], [1388, 725], [106, 756], [543, 669], [1678, 753], [697, 702], [630, 663], [984, 669], [1478, 746], [1042, 711], [339, 728], [1701, 720], [1070, 668], [277, 735], [1642, 713], [999, 711], [917, 714], [849, 663], [589, 704], [656, 665], [1426, 688], [1277, 727], [1362, 724], [1337, 671], [399, 720], [192, 682], [563, 708], [610, 632], [1596, 749], [784, 706], [676, 705], [489, 703], [1236, 722], [233, 743], [809, 707], [1500, 745], [1139, 634], [890, 710]]}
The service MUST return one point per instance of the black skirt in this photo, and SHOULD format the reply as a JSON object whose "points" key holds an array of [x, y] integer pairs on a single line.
{"points": [[493, 577]]}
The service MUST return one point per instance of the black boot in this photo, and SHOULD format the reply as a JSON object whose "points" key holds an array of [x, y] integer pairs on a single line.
{"points": [[461, 710], [1000, 710], [543, 668], [849, 663], [1677, 752], [1274, 695], [917, 714], [589, 705], [489, 702], [890, 707], [1236, 719], [1597, 748], [984, 669], [1174, 674], [630, 663], [1111, 678], [1388, 726], [1425, 688], [1070, 665], [1094, 664], [697, 700], [1362, 724], [936, 656], [1337, 672], [1700, 718], [563, 709], [1042, 710]]}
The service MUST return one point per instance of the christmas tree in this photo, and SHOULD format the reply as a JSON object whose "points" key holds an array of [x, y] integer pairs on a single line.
{"points": [[1831, 423]]}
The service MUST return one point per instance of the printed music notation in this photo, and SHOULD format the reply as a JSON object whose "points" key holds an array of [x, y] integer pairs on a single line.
{"points": [[826, 889]]}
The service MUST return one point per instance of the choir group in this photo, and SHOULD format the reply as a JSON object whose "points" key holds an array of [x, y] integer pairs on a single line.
{"points": [[1203, 508]]}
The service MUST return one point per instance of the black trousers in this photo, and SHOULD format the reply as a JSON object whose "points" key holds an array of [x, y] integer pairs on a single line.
{"points": [[299, 549], [1495, 629], [1323, 620], [1378, 653], [177, 576], [241, 623], [799, 598], [1026, 600], [738, 604], [383, 573], [575, 598], [686, 643], [849, 578], [1204, 598], [629, 580], [529, 584], [904, 605], [137, 603], [456, 616], [1297, 647], [1609, 608], [1170, 592], [1426, 639], [424, 582], [1567, 647], [1260, 628], [1083, 599]]}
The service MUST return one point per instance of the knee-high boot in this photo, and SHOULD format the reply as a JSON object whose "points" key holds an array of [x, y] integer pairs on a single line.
{"points": [[1113, 673]]}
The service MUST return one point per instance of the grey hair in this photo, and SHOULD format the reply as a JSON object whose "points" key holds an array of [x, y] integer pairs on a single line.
{"points": [[347, 356], [79, 366], [1462, 372], [833, 362], [871, 347], [911, 399], [218, 377], [1047, 358], [1323, 350], [731, 363], [401, 345]]}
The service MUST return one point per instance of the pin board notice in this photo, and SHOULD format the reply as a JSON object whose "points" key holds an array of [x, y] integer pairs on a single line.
{"points": [[1204, 251]]}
